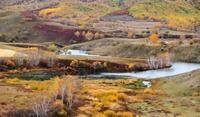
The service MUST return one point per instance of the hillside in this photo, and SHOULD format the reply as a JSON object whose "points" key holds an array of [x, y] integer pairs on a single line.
{"points": [[177, 13], [57, 20]]}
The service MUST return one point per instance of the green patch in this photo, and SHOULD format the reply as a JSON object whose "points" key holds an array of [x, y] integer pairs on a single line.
{"points": [[140, 106], [35, 75]]}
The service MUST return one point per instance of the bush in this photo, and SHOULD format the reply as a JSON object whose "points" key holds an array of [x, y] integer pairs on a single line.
{"points": [[180, 42], [191, 42], [124, 114], [59, 107], [52, 48], [99, 115], [163, 43], [41, 106], [110, 113]]}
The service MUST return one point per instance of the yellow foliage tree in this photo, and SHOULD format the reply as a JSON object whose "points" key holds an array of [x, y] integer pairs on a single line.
{"points": [[77, 33], [83, 33], [130, 35], [102, 35], [97, 35], [89, 35], [153, 38]]}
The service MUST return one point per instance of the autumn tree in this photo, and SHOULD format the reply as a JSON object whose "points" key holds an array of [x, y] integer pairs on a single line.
{"points": [[97, 35], [83, 33], [159, 60], [77, 33], [41, 106], [130, 35], [102, 35], [153, 38], [89, 35], [33, 57], [69, 86], [19, 58]]}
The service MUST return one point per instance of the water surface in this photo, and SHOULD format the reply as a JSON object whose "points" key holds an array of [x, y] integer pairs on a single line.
{"points": [[177, 68]]}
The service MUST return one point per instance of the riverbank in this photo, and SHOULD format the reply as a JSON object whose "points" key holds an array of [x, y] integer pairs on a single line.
{"points": [[181, 50]]}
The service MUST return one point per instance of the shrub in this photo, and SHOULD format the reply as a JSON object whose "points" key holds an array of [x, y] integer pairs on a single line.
{"points": [[191, 42], [41, 106], [99, 115], [180, 42], [52, 48], [110, 113], [59, 107], [62, 113], [122, 96], [124, 114], [38, 86], [163, 43]]}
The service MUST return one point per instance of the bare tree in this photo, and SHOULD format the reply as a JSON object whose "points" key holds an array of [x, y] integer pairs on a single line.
{"points": [[41, 106], [33, 57], [51, 61], [159, 61], [69, 87], [19, 58]]}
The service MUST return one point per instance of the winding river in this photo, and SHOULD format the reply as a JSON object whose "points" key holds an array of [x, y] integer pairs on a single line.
{"points": [[177, 68]]}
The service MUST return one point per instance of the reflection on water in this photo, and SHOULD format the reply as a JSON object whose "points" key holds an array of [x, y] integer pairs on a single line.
{"points": [[74, 52], [177, 68], [147, 83]]}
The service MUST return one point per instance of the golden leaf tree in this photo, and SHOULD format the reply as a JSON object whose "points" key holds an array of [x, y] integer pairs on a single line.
{"points": [[154, 38]]}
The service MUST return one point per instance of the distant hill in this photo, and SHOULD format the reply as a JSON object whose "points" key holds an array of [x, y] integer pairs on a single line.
{"points": [[177, 13]]}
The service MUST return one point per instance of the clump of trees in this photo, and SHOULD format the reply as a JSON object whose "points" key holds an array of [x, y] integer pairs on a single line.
{"points": [[34, 57], [160, 60], [60, 99], [89, 35], [41, 106]]}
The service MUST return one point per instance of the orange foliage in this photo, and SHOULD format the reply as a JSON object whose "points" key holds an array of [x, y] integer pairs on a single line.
{"points": [[153, 38], [77, 33], [89, 35]]}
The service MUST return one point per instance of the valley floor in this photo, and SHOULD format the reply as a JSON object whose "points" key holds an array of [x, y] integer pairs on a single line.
{"points": [[167, 97]]}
